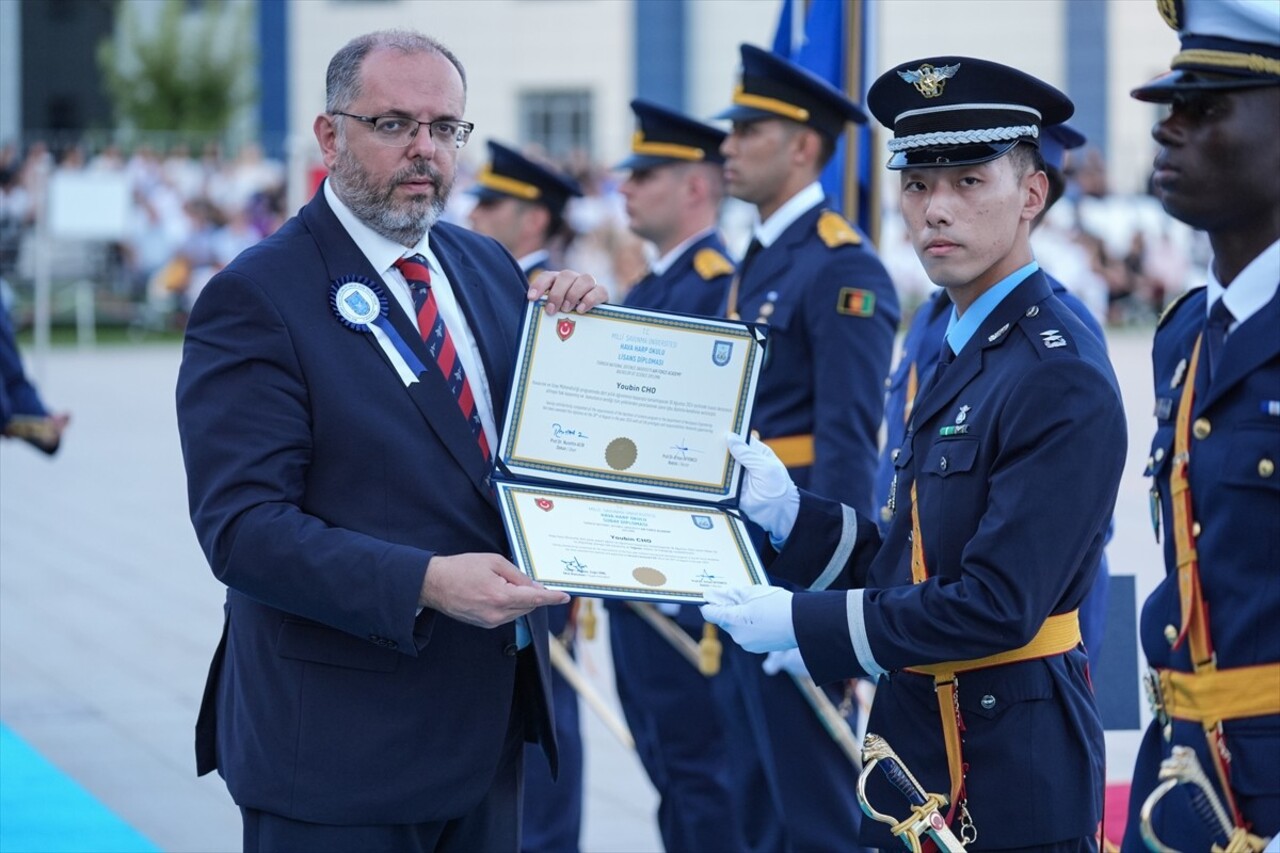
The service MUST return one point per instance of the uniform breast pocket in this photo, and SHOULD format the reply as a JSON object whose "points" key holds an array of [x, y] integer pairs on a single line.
{"points": [[948, 458], [1251, 463]]}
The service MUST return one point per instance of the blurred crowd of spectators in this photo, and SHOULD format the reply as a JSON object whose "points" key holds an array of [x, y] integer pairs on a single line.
{"points": [[193, 211]]}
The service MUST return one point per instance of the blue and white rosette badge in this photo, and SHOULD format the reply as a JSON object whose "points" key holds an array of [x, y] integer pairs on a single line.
{"points": [[361, 306]]}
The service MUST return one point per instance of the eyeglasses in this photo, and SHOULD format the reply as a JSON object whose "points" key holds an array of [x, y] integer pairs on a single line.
{"points": [[399, 131]]}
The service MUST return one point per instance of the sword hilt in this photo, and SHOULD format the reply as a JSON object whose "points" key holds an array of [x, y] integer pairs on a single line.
{"points": [[1182, 767], [925, 818]]}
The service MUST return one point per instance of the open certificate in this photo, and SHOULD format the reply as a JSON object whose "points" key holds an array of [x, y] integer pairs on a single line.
{"points": [[628, 409], [602, 545]]}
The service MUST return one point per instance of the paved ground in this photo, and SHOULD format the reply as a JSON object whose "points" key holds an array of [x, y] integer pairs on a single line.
{"points": [[108, 614]]}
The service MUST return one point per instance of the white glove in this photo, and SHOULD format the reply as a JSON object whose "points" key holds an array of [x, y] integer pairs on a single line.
{"points": [[785, 661], [769, 498], [757, 617]]}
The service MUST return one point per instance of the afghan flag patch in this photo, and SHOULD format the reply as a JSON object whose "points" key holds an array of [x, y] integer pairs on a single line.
{"points": [[856, 302]]}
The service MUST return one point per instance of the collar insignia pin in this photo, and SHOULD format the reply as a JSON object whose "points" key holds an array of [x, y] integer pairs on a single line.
{"points": [[1178, 372], [964, 412]]}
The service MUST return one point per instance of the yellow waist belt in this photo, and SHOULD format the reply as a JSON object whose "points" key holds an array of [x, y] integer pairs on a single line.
{"points": [[1058, 635], [795, 451], [1221, 694]]}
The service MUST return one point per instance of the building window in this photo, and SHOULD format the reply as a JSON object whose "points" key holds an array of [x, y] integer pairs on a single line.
{"points": [[557, 121]]}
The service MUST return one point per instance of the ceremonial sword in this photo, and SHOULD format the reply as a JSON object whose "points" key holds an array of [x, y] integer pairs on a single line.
{"points": [[1182, 767], [925, 819]]}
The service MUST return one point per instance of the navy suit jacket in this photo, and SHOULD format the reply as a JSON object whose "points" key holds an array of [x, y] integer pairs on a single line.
{"points": [[824, 370], [320, 487], [1013, 513], [1235, 499]]}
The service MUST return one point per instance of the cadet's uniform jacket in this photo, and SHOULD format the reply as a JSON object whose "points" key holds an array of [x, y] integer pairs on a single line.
{"points": [[695, 283], [1234, 449], [1016, 449], [832, 313]]}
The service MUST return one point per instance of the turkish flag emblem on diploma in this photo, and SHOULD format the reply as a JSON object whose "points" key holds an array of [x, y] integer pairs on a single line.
{"points": [[564, 329], [544, 504]]}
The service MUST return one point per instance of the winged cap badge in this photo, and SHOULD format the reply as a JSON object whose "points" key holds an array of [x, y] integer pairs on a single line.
{"points": [[929, 80]]}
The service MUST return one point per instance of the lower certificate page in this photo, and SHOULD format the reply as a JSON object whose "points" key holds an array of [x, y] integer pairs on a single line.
{"points": [[615, 547]]}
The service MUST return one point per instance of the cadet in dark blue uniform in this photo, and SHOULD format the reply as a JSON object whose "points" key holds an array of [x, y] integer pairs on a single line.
{"points": [[22, 412], [1006, 479], [521, 204], [832, 312], [673, 193], [1209, 630], [923, 342]]}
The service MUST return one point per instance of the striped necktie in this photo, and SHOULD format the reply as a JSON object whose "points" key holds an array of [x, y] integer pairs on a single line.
{"points": [[435, 334]]}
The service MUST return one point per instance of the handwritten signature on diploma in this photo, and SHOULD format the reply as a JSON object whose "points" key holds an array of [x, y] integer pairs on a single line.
{"points": [[706, 577], [564, 432], [573, 565], [682, 450]]}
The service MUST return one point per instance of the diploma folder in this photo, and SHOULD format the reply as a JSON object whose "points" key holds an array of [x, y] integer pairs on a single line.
{"points": [[613, 475]]}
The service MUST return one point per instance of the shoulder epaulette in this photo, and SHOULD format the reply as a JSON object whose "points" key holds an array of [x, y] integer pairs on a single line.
{"points": [[711, 264], [1173, 306], [835, 231]]}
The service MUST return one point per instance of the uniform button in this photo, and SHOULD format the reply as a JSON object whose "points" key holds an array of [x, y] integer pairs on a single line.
{"points": [[894, 455], [888, 381], [1195, 528], [1201, 428], [988, 702], [1033, 310], [1159, 453], [942, 463], [1170, 634], [510, 650], [1266, 467], [886, 514]]}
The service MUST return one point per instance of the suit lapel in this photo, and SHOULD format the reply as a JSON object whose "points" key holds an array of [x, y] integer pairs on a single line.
{"points": [[1253, 343], [430, 393]]}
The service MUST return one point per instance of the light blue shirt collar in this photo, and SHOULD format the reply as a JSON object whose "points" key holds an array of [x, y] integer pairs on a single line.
{"points": [[961, 329]]}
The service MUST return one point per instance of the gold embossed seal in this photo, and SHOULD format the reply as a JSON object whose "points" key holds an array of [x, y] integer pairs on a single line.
{"points": [[649, 576], [620, 454]]}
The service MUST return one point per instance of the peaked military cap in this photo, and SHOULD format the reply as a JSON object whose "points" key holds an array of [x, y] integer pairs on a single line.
{"points": [[1056, 140], [773, 87], [956, 110], [509, 174], [1226, 44], [663, 136]]}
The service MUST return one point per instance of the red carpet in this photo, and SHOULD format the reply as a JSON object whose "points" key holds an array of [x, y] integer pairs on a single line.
{"points": [[1117, 807]]}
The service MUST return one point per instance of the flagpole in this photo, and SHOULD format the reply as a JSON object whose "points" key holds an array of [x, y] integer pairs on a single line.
{"points": [[853, 89]]}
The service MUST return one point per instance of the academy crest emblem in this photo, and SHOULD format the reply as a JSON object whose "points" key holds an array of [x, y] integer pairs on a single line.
{"points": [[564, 329], [702, 522], [928, 80], [721, 351]]}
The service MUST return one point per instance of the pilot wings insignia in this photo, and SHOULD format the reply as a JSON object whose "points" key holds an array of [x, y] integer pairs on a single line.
{"points": [[929, 80]]}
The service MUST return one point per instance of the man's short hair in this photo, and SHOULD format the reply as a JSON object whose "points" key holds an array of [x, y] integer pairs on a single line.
{"points": [[1026, 159], [342, 81]]}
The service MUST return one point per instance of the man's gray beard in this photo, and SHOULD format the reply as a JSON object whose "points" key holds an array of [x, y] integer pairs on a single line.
{"points": [[375, 207]]}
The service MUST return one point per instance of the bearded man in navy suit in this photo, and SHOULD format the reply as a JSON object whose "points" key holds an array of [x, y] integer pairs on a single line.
{"points": [[382, 661]]}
